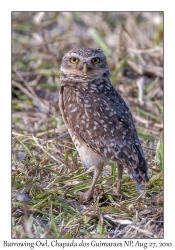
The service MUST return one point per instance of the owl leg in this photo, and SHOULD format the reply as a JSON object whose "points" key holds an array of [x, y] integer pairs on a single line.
{"points": [[119, 177], [117, 186], [89, 194]]}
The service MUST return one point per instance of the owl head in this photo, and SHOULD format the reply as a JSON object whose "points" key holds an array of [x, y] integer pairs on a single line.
{"points": [[84, 62]]}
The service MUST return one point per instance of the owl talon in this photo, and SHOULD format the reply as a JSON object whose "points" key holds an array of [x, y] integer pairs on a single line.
{"points": [[117, 191], [85, 196], [121, 196]]}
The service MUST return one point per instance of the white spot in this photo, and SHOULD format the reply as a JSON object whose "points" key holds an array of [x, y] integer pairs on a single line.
{"points": [[74, 110], [89, 132], [98, 149], [133, 150], [105, 151], [108, 87], [111, 114], [117, 154], [95, 123], [88, 105], [93, 85], [100, 86], [102, 121], [86, 113]]}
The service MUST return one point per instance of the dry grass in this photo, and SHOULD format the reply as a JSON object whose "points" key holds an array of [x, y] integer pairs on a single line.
{"points": [[46, 170]]}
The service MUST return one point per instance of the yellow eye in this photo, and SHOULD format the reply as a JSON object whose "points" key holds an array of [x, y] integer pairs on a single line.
{"points": [[95, 60], [74, 60]]}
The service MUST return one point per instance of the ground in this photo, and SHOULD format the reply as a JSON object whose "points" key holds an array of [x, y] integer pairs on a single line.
{"points": [[47, 175]]}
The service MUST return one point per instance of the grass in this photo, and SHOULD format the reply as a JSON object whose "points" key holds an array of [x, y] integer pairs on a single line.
{"points": [[47, 176]]}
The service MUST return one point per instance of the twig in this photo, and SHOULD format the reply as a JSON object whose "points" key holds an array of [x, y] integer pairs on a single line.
{"points": [[53, 158]]}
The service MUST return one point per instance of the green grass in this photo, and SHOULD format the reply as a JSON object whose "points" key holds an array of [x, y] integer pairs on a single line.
{"points": [[47, 175]]}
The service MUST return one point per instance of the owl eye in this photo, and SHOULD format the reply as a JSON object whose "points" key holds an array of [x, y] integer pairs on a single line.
{"points": [[74, 60], [95, 60]]}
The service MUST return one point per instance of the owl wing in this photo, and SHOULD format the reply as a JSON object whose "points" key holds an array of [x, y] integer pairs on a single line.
{"points": [[105, 123]]}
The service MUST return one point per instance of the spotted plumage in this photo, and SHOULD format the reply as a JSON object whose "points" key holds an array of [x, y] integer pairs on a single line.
{"points": [[98, 119]]}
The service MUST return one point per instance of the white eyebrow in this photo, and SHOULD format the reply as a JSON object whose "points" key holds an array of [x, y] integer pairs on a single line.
{"points": [[73, 71]]}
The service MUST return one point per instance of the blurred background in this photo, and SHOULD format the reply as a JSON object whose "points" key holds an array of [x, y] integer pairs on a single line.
{"points": [[44, 160]]}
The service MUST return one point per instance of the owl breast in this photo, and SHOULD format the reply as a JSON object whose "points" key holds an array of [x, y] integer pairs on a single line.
{"points": [[88, 157], [75, 113]]}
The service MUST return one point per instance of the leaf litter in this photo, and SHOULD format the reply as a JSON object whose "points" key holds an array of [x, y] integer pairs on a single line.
{"points": [[47, 175]]}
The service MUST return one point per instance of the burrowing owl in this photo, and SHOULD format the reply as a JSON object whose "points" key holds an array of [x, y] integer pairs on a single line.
{"points": [[98, 119]]}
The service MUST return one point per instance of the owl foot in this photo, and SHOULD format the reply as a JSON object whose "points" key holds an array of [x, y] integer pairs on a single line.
{"points": [[117, 191], [85, 196]]}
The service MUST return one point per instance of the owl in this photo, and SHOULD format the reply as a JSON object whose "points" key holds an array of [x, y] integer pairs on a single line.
{"points": [[98, 119]]}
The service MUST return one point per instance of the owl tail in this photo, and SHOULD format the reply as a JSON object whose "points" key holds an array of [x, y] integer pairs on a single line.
{"points": [[142, 168]]}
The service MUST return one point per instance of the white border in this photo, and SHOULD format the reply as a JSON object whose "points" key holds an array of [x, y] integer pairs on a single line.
{"points": [[5, 94]]}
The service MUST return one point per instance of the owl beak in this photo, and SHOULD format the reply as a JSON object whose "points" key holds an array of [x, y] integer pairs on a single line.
{"points": [[85, 68]]}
